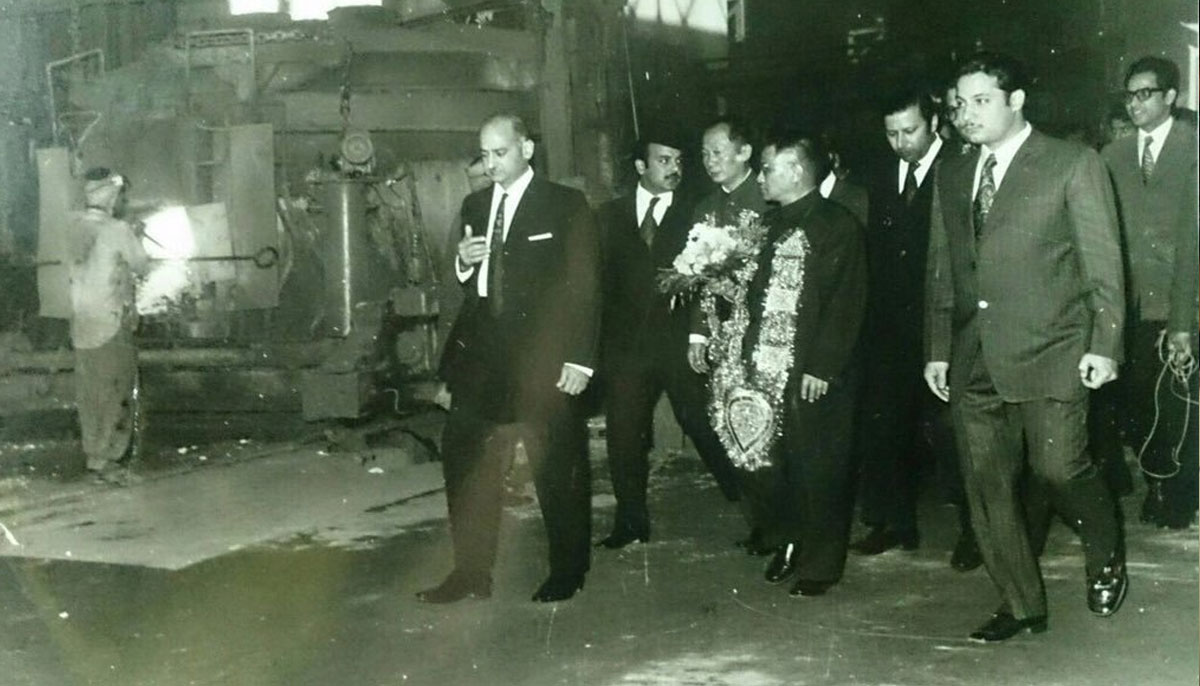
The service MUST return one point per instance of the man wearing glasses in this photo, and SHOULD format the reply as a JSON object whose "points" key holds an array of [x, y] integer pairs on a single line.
{"points": [[1025, 310], [1155, 177]]}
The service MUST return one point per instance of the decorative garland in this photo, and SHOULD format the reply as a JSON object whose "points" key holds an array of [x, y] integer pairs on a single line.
{"points": [[746, 407]]}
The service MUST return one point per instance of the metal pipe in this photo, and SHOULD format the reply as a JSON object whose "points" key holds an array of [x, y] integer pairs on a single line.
{"points": [[56, 64]]}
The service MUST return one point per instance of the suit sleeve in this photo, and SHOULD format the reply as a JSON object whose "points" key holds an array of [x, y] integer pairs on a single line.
{"points": [[843, 287], [1183, 314], [1093, 217], [939, 284], [582, 284]]}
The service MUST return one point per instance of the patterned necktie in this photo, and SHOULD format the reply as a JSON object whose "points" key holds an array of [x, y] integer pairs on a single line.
{"points": [[910, 183], [987, 191], [1147, 160], [496, 260], [648, 225]]}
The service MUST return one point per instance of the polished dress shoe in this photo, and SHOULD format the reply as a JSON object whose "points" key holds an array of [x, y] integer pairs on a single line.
{"points": [[753, 544], [1003, 626], [623, 536], [457, 587], [881, 539], [558, 588], [808, 588], [1106, 590], [966, 555], [782, 565]]}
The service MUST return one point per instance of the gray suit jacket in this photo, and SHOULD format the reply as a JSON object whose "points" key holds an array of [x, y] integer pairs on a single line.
{"points": [[1159, 225], [1041, 286]]}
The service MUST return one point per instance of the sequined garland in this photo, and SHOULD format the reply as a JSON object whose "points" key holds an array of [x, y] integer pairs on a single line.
{"points": [[746, 406]]}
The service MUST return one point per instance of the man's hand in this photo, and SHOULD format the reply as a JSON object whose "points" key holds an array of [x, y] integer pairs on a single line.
{"points": [[812, 389], [697, 359], [1096, 370], [1179, 348], [471, 249], [572, 381], [937, 378]]}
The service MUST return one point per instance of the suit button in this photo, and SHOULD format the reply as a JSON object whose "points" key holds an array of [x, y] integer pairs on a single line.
{"points": [[983, 304]]}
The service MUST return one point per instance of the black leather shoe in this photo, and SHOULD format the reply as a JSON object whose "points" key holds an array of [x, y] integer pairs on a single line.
{"points": [[558, 588], [1106, 590], [1003, 626], [457, 587], [808, 589], [881, 539], [753, 544], [621, 537], [782, 565], [966, 553]]}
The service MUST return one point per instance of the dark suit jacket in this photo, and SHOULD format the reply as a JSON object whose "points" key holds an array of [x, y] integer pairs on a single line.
{"points": [[638, 320], [897, 238], [1043, 284], [833, 299], [853, 197], [506, 367], [1159, 224]]}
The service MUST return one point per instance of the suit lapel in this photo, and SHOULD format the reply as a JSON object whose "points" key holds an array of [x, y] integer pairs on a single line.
{"points": [[521, 225], [1171, 157], [961, 176], [1021, 174]]}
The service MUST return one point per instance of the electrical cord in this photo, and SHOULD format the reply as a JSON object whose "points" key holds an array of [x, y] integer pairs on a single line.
{"points": [[1181, 371]]}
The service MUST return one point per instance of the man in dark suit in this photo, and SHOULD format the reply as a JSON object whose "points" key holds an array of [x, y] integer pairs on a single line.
{"points": [[895, 403], [644, 339], [847, 194], [1025, 307], [727, 152], [1155, 176], [522, 349], [791, 366]]}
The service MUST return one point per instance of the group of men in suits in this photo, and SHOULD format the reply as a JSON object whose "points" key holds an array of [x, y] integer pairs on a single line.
{"points": [[997, 267]]}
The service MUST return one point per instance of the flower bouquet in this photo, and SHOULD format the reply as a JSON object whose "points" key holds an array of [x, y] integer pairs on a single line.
{"points": [[715, 261]]}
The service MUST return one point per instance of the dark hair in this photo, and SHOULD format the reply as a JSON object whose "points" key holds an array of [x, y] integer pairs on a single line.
{"points": [[513, 119], [662, 135], [905, 97], [811, 150], [1164, 70], [739, 132], [97, 174], [1008, 71]]}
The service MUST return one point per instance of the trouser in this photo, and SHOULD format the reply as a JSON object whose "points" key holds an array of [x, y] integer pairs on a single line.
{"points": [[475, 455], [995, 438], [632, 389], [105, 379], [898, 424], [806, 496]]}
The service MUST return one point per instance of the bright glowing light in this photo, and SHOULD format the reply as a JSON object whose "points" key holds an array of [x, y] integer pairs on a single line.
{"points": [[319, 9], [169, 241], [252, 6], [704, 16]]}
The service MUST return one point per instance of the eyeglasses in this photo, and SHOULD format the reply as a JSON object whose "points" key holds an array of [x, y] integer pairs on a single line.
{"points": [[1142, 94]]}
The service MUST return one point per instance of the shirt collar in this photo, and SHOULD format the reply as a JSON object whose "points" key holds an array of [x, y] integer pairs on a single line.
{"points": [[926, 162], [644, 196], [827, 184], [738, 185], [515, 191], [1159, 133], [1007, 150]]}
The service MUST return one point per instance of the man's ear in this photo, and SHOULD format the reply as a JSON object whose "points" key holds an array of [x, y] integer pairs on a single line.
{"points": [[527, 149], [1016, 99], [745, 152], [1170, 96], [935, 124], [640, 166]]}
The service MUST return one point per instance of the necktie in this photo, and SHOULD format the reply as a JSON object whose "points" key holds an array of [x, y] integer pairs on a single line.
{"points": [[496, 260], [648, 225], [1147, 160], [910, 183], [987, 190]]}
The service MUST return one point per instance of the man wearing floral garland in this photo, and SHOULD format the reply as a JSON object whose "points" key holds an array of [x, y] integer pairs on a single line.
{"points": [[783, 383], [726, 151]]}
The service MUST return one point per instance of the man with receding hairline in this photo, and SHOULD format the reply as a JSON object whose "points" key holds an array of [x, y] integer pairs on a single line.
{"points": [[521, 351]]}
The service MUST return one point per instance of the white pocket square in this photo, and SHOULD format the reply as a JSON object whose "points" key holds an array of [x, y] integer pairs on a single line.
{"points": [[541, 237]]}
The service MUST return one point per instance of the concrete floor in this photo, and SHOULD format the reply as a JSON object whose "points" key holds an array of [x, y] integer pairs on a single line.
{"points": [[280, 564]]}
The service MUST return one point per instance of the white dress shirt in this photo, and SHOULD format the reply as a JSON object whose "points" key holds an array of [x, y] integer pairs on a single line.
{"points": [[923, 165], [1004, 153], [827, 184], [515, 192], [1158, 135], [643, 198]]}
